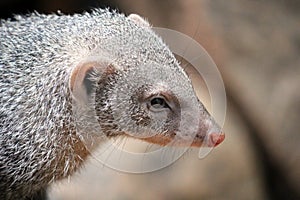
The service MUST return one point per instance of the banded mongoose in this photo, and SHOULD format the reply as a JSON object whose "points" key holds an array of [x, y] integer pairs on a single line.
{"points": [[58, 73]]}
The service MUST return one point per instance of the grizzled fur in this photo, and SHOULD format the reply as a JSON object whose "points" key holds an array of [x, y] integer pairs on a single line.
{"points": [[39, 141]]}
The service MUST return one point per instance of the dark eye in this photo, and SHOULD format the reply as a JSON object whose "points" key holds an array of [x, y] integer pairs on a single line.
{"points": [[158, 103]]}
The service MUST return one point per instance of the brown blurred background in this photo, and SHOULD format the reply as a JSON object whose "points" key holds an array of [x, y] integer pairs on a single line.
{"points": [[256, 45]]}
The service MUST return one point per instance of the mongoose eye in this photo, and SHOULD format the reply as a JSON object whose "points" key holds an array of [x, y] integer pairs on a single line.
{"points": [[158, 103]]}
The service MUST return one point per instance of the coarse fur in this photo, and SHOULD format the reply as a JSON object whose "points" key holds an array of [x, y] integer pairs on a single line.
{"points": [[56, 69]]}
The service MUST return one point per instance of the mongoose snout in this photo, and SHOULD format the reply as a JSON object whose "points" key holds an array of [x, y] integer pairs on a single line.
{"points": [[216, 139]]}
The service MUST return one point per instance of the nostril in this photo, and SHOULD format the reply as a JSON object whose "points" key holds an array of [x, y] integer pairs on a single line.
{"points": [[217, 138]]}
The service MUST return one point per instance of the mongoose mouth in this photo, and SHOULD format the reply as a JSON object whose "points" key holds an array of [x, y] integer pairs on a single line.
{"points": [[212, 140]]}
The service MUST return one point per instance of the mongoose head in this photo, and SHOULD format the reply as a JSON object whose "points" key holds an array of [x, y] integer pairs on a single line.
{"points": [[139, 90]]}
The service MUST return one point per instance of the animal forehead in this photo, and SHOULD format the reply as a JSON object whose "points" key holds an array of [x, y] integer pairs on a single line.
{"points": [[159, 71], [158, 79], [164, 75]]}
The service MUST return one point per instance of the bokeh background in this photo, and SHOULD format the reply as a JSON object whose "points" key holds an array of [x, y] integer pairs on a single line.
{"points": [[256, 45]]}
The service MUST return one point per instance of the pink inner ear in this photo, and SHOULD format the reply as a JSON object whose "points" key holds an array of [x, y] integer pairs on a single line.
{"points": [[79, 85], [78, 74], [139, 20]]}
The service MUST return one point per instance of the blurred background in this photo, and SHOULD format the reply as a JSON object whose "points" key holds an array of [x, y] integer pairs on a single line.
{"points": [[256, 45]]}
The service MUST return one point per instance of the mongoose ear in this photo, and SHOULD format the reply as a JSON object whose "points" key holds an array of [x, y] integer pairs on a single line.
{"points": [[139, 20], [81, 82]]}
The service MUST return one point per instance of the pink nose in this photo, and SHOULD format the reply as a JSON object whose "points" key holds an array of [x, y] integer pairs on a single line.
{"points": [[216, 138]]}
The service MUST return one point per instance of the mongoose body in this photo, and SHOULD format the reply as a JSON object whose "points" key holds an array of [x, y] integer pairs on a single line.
{"points": [[49, 63]]}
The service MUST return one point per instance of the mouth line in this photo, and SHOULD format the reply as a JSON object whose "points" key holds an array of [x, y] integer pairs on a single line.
{"points": [[212, 140]]}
